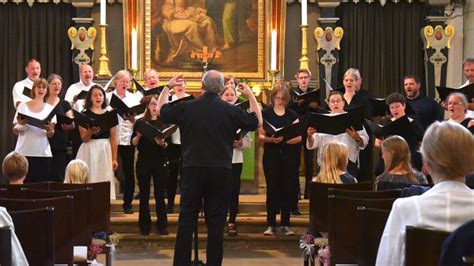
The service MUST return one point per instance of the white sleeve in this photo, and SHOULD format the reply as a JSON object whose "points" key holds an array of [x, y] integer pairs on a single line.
{"points": [[246, 141], [70, 93], [392, 244], [17, 93], [316, 142], [365, 137], [18, 256]]}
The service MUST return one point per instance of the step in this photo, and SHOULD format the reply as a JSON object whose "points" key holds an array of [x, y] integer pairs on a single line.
{"points": [[247, 203], [246, 223], [242, 241]]}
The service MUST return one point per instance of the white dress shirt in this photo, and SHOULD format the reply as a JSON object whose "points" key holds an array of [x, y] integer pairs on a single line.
{"points": [[18, 256], [320, 139], [444, 207], [238, 153], [17, 91], [176, 137], [125, 128], [469, 113], [74, 90]]}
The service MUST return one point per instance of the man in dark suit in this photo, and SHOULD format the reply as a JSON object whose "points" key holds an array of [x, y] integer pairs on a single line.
{"points": [[208, 128]]}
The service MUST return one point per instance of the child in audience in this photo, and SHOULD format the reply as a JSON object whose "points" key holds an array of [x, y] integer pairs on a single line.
{"points": [[77, 172], [334, 161], [15, 167]]}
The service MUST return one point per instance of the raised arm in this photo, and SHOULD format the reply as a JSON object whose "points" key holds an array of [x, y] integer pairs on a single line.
{"points": [[245, 90]]}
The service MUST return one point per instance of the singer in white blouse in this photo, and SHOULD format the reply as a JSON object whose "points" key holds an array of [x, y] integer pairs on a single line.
{"points": [[447, 154]]}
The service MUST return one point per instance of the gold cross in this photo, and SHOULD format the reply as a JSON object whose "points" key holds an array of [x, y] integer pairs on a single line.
{"points": [[205, 55]]}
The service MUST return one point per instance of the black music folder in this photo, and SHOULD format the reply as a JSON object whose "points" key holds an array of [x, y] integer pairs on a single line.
{"points": [[401, 127], [289, 132], [27, 92], [184, 99], [64, 119], [105, 121], [466, 90], [151, 132], [82, 95], [39, 123], [152, 91], [309, 96], [379, 107], [241, 133], [123, 109], [244, 105], [335, 124]]}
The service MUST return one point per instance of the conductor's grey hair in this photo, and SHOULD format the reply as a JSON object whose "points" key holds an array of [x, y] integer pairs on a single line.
{"points": [[213, 81]]}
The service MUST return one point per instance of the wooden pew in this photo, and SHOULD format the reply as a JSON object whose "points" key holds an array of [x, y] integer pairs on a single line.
{"points": [[385, 194], [423, 246], [63, 222], [318, 202], [100, 202], [342, 222], [82, 230], [6, 246], [3, 192], [370, 226], [35, 231]]}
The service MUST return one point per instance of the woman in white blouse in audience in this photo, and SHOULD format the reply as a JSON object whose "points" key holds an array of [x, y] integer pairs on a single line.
{"points": [[447, 154]]}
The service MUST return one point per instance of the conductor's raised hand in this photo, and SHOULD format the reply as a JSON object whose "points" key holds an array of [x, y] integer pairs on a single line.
{"points": [[175, 81], [244, 89]]}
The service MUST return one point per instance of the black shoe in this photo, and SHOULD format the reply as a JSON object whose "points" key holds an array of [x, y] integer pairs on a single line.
{"points": [[296, 212], [137, 196], [163, 232], [127, 210], [170, 208]]}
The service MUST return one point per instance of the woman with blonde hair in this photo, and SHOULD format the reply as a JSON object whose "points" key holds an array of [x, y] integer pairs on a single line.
{"points": [[77, 172], [397, 158], [334, 159], [447, 155]]}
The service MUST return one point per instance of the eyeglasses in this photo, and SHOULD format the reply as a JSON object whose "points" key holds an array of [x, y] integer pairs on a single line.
{"points": [[455, 103]]}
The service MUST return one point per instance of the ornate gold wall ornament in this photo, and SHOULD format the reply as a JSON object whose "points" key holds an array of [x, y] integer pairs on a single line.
{"points": [[438, 39], [328, 40], [82, 39]]}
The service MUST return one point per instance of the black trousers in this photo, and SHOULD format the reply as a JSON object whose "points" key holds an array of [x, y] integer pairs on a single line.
{"points": [[145, 172], [39, 169], [58, 166], [234, 191], [198, 184], [174, 170], [76, 140], [279, 166], [127, 155], [308, 169]]}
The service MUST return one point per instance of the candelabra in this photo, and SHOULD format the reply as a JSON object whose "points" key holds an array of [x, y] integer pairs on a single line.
{"points": [[103, 60], [273, 73], [304, 47]]}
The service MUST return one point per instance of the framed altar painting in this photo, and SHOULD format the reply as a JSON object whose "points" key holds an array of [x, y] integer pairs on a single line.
{"points": [[228, 34]]}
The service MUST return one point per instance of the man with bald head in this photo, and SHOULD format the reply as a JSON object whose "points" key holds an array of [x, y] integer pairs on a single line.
{"points": [[208, 129], [33, 71], [86, 74]]}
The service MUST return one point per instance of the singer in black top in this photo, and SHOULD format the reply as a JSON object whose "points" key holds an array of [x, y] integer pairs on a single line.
{"points": [[151, 162], [280, 161], [301, 107], [59, 141], [208, 126]]}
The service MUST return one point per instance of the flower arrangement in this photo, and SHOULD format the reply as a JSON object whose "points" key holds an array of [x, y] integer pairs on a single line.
{"points": [[308, 245], [324, 255]]}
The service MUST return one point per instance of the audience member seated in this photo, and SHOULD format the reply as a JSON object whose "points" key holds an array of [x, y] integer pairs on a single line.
{"points": [[448, 157], [18, 256], [77, 172], [15, 167], [333, 165], [398, 169]]}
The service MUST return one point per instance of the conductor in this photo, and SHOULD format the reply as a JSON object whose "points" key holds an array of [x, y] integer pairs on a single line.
{"points": [[208, 129]]}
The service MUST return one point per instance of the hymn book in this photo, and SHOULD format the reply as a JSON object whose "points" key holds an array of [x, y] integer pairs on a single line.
{"points": [[444, 92], [104, 121], [309, 96], [184, 99], [402, 127], [39, 123], [153, 91], [151, 132], [123, 109], [289, 132], [379, 107], [335, 124]]}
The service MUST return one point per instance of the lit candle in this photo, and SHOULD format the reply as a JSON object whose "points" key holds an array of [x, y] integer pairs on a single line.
{"points": [[273, 54], [134, 49], [304, 12], [102, 12]]}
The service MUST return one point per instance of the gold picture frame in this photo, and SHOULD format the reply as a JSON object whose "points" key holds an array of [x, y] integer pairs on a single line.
{"points": [[167, 39]]}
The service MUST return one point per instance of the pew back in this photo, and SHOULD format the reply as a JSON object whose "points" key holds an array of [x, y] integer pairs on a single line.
{"points": [[423, 246], [370, 225]]}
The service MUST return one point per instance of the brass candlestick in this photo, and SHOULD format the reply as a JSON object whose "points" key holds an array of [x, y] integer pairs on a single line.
{"points": [[273, 73], [103, 60], [133, 72], [304, 47]]}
